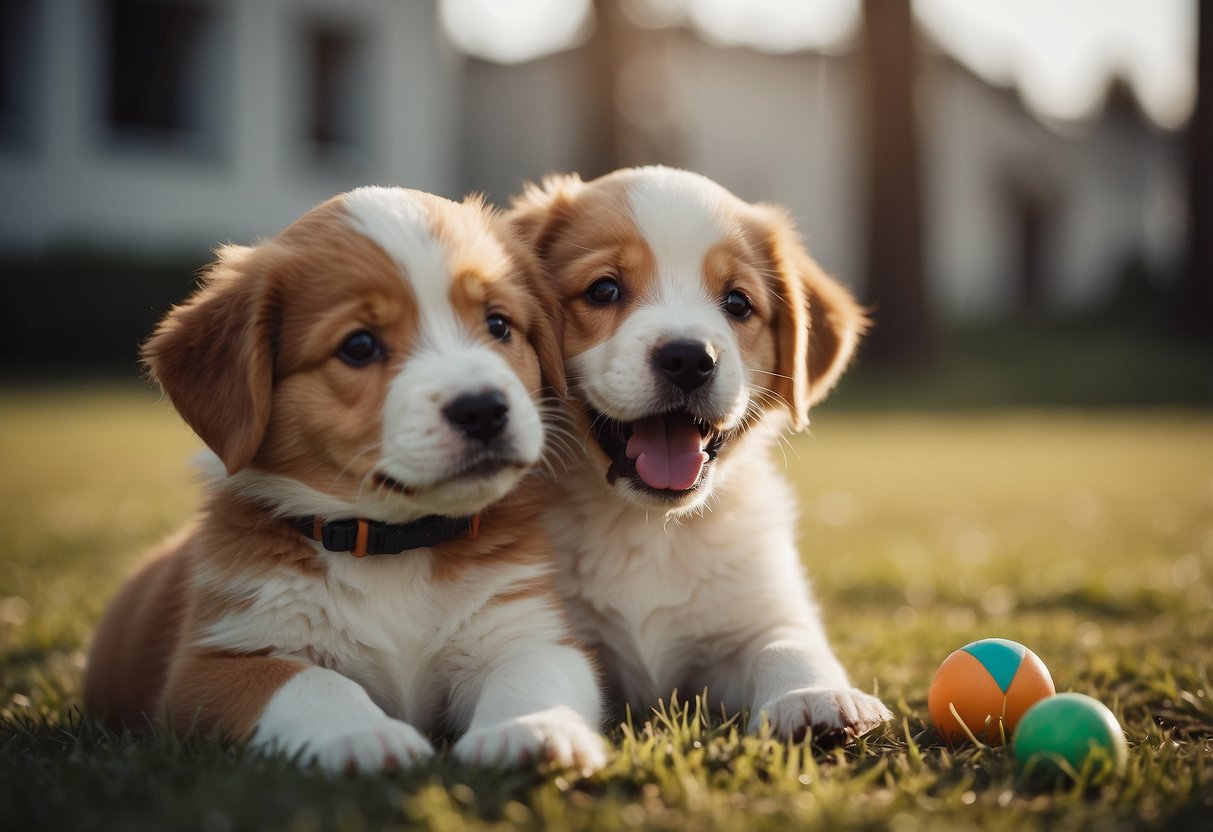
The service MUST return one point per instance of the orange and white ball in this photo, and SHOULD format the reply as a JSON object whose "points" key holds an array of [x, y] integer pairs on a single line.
{"points": [[988, 684]]}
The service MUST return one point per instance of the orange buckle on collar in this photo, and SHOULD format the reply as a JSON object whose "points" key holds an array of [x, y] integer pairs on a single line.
{"points": [[364, 531]]}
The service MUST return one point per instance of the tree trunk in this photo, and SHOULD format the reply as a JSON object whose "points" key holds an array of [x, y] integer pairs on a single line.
{"points": [[604, 60], [895, 282], [1196, 297]]}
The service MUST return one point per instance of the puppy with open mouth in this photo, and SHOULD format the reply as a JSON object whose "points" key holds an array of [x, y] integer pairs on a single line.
{"points": [[696, 328], [369, 565]]}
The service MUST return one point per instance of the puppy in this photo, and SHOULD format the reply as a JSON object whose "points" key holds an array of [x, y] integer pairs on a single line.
{"points": [[369, 565], [696, 328]]}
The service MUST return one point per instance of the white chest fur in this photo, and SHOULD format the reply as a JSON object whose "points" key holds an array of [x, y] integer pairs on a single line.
{"points": [[382, 621], [667, 601]]}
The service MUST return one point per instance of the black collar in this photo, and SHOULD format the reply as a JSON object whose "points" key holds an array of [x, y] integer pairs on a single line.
{"points": [[371, 537]]}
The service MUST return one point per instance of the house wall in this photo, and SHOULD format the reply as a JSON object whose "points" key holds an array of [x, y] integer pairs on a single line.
{"points": [[1111, 190], [782, 129], [777, 128], [977, 142], [523, 121], [248, 170], [1123, 194]]}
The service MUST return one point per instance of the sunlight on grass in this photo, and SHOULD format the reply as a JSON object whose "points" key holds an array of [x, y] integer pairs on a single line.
{"points": [[1087, 536]]}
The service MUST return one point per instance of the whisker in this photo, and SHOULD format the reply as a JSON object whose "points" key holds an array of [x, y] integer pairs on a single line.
{"points": [[769, 396], [372, 447], [768, 373]]}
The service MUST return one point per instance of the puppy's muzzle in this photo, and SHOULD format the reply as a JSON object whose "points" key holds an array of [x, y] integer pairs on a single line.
{"points": [[686, 364], [479, 416]]}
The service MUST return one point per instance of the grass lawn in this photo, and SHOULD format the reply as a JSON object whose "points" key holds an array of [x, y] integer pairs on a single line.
{"points": [[1086, 535]]}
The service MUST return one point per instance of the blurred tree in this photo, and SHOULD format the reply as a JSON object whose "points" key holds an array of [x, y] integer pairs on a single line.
{"points": [[1196, 309], [896, 286], [605, 56]]}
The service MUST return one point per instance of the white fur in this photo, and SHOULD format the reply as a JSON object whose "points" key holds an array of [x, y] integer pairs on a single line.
{"points": [[681, 215], [395, 652], [616, 375], [328, 719], [422, 449], [396, 220], [710, 592], [398, 652], [679, 224]]}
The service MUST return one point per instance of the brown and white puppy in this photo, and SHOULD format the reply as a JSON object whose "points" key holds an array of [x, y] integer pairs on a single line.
{"points": [[696, 328], [376, 367]]}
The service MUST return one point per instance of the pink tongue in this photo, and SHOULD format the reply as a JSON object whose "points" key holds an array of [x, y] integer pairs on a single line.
{"points": [[668, 451]]}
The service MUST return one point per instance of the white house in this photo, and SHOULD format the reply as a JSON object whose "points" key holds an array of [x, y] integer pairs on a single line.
{"points": [[254, 110], [1020, 213]]}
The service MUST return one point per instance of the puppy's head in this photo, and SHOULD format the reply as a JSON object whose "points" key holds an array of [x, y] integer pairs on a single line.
{"points": [[689, 316], [380, 358]]}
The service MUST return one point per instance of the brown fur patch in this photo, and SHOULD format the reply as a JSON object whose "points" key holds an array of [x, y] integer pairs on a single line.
{"points": [[134, 644], [819, 323], [223, 693], [212, 357], [509, 533], [529, 589], [587, 234]]}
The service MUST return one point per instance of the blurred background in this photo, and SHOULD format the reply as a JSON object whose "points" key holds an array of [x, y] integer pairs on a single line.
{"points": [[1019, 188]]}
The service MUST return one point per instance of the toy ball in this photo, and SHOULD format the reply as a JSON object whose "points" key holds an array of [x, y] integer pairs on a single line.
{"points": [[1067, 733], [990, 684]]}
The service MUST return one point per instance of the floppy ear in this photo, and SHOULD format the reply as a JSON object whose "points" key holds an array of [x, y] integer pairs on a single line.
{"points": [[540, 211], [213, 357], [818, 324], [535, 218], [546, 332], [547, 338]]}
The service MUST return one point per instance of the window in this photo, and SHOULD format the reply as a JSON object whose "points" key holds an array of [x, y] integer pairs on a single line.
{"points": [[18, 36], [336, 93], [157, 60]]}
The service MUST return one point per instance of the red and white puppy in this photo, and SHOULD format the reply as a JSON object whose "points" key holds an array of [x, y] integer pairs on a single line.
{"points": [[369, 378], [696, 328]]}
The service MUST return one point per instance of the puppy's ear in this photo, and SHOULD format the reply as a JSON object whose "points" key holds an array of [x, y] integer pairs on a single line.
{"points": [[213, 357], [540, 211], [819, 323], [547, 337], [546, 332]]}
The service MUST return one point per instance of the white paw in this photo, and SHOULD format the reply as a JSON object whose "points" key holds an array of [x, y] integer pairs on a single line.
{"points": [[558, 736], [381, 745], [824, 711]]}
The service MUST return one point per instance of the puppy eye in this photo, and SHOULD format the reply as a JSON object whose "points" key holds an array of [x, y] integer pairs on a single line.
{"points": [[738, 305], [360, 349], [498, 327], [603, 291]]}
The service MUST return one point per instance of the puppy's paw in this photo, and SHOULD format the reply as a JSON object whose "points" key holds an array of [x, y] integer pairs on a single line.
{"points": [[382, 745], [558, 736], [826, 711]]}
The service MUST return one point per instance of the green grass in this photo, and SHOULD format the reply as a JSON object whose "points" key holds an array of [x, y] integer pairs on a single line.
{"points": [[1086, 535]]}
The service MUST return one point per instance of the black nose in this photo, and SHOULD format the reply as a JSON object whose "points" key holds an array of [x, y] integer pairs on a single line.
{"points": [[479, 415], [686, 363]]}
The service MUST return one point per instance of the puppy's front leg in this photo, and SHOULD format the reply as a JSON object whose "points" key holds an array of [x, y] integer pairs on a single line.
{"points": [[292, 707], [532, 698], [798, 684]]}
